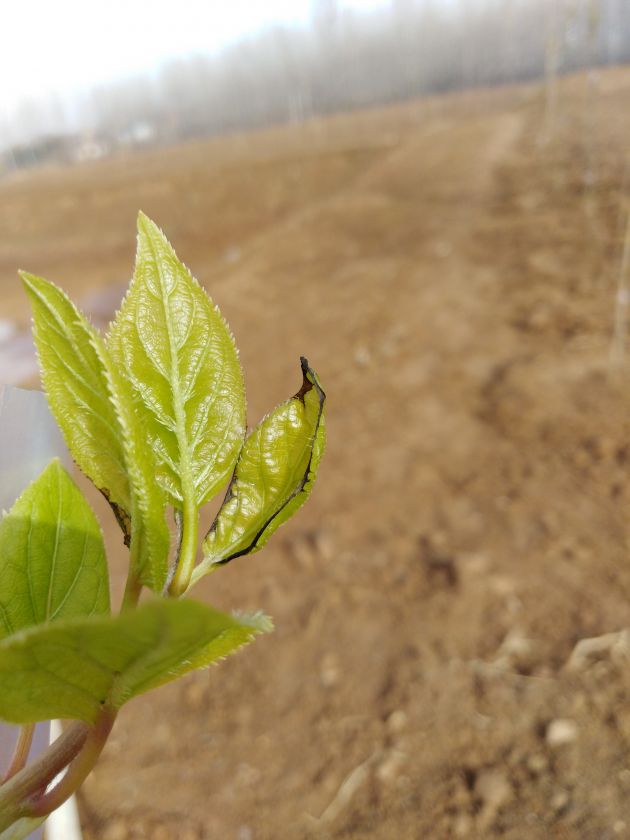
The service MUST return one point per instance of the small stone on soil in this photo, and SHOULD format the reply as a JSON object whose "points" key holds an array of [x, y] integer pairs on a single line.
{"points": [[397, 721], [537, 764], [559, 801], [330, 671], [561, 732], [494, 789]]}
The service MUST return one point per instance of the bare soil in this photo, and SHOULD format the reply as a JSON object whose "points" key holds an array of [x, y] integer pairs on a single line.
{"points": [[449, 267]]}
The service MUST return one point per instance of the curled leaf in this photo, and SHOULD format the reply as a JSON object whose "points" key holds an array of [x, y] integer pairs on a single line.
{"points": [[274, 476]]}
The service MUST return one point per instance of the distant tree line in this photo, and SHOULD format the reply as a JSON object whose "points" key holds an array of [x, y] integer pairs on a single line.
{"points": [[346, 60]]}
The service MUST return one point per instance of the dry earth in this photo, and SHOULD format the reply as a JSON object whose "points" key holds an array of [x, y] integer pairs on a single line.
{"points": [[449, 268]]}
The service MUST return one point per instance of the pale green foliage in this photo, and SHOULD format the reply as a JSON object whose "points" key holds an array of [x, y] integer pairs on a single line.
{"points": [[180, 358], [149, 538], [75, 381], [91, 403], [71, 668], [273, 477], [154, 415], [53, 559]]}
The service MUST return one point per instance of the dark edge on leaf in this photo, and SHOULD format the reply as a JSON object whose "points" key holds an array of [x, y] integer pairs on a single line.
{"points": [[179, 532], [307, 385], [122, 517]]}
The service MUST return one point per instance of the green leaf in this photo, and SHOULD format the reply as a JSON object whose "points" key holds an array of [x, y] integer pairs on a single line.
{"points": [[149, 537], [75, 382], [180, 358], [92, 403], [69, 669], [52, 558], [273, 477]]}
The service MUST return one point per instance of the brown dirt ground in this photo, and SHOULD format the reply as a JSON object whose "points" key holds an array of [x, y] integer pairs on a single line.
{"points": [[452, 278]]}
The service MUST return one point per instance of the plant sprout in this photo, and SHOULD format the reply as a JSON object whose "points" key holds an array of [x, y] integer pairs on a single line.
{"points": [[154, 414]]}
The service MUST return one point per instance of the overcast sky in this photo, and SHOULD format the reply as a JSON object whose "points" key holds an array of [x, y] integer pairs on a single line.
{"points": [[61, 46]]}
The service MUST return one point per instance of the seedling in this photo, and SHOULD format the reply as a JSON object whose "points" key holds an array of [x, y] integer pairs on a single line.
{"points": [[154, 415]]}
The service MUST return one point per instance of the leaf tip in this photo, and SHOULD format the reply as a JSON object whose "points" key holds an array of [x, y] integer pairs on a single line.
{"points": [[310, 380], [54, 465], [258, 621], [146, 226], [30, 281]]}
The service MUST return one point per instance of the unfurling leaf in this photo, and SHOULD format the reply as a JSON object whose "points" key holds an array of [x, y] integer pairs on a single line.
{"points": [[52, 558], [71, 668], [273, 476], [180, 358], [92, 404]]}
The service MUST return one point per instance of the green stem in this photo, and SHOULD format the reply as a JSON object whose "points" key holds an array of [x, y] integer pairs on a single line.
{"points": [[133, 588], [202, 570], [78, 771], [22, 749], [188, 549], [39, 774]]}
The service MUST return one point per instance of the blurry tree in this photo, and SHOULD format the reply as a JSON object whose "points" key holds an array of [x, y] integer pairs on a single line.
{"points": [[346, 59], [552, 66], [325, 17]]}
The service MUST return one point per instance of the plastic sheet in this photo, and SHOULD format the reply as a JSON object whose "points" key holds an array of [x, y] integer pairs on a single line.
{"points": [[29, 440]]}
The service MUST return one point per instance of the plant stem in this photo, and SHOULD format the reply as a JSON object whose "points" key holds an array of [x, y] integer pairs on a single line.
{"points": [[78, 771], [188, 550], [133, 588], [202, 570], [22, 749], [39, 774]]}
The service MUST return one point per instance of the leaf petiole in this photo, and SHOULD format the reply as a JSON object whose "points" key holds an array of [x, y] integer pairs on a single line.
{"points": [[22, 749], [187, 550], [39, 774], [78, 770], [133, 589]]}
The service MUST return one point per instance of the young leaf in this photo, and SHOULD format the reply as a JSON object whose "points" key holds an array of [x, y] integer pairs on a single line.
{"points": [[93, 406], [76, 386], [69, 669], [180, 358], [52, 558], [149, 537], [273, 476]]}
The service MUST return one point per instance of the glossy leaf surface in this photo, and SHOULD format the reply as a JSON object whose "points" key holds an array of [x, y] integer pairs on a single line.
{"points": [[92, 404], [181, 361], [147, 532], [273, 477], [76, 385], [52, 558], [69, 669]]}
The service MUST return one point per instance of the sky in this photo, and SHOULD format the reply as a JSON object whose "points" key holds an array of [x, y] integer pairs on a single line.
{"points": [[64, 46]]}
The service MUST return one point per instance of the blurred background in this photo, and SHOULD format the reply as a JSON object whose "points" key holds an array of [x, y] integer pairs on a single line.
{"points": [[430, 200]]}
